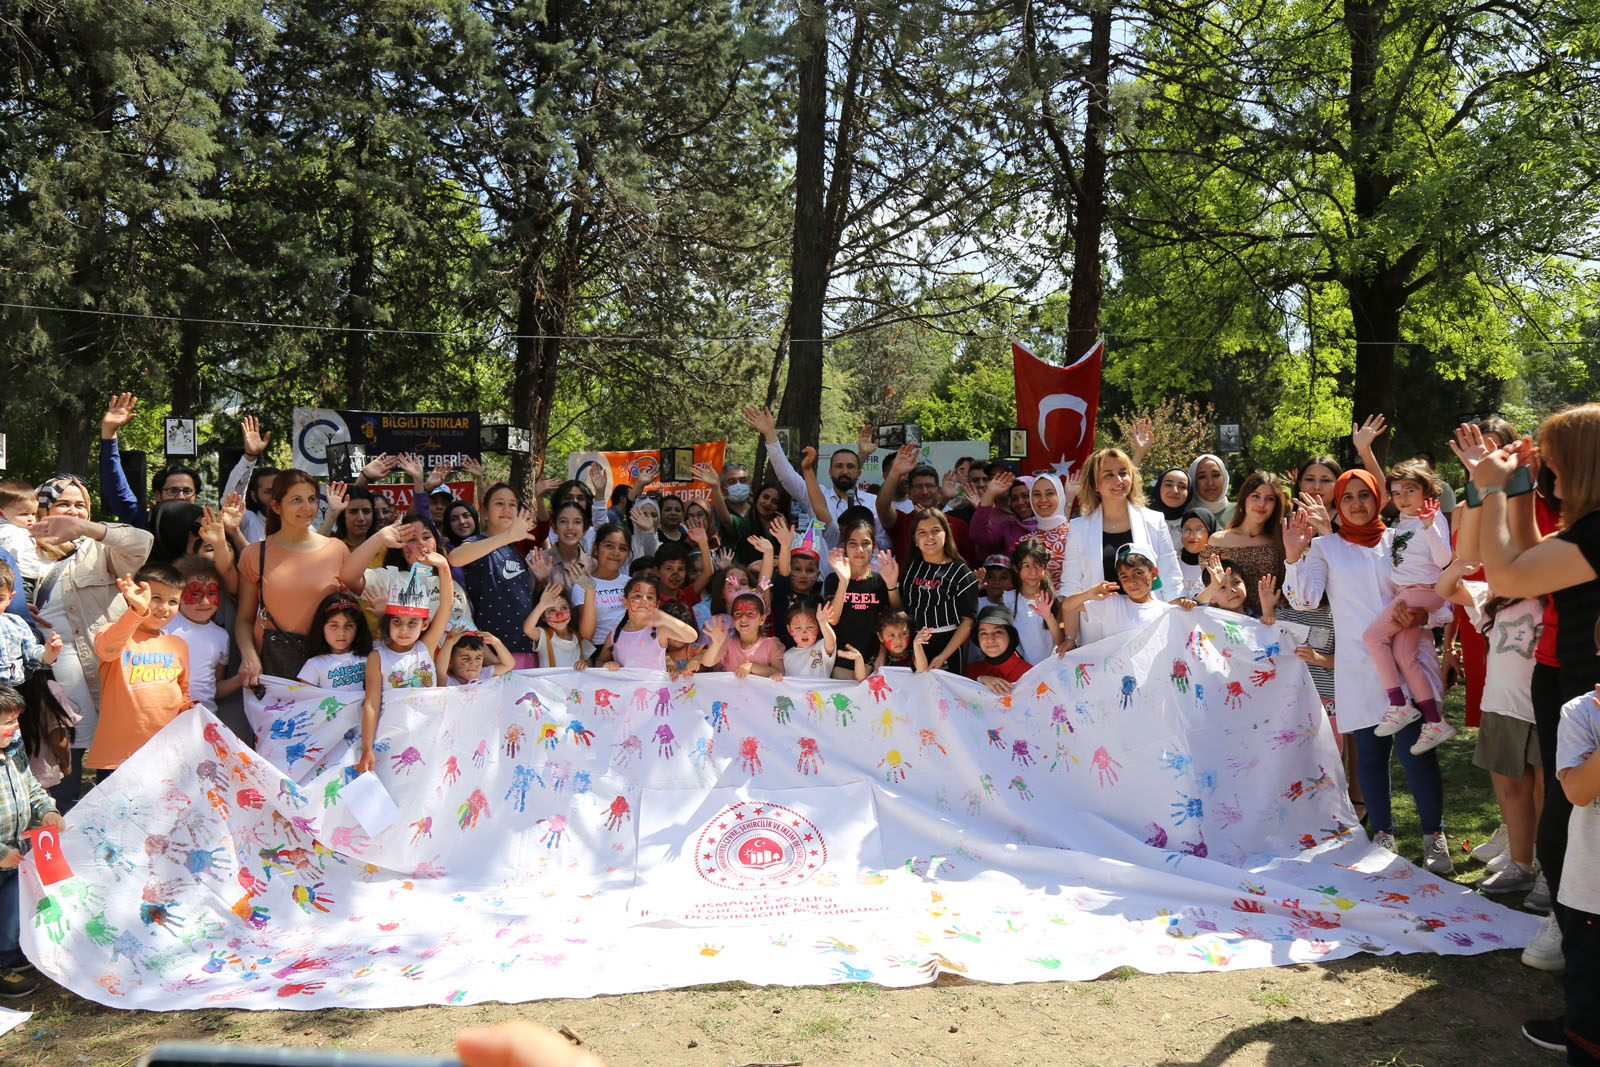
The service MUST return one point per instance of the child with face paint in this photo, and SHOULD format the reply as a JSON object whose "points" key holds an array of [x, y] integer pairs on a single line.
{"points": [[196, 625], [462, 659], [640, 640], [549, 627], [404, 659], [747, 652]]}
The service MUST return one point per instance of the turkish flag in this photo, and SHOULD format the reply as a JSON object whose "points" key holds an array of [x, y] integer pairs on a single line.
{"points": [[48, 862], [1057, 405]]}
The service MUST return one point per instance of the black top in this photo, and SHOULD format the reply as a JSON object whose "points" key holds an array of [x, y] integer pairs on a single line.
{"points": [[1109, 544], [1577, 608], [938, 595], [864, 601]]}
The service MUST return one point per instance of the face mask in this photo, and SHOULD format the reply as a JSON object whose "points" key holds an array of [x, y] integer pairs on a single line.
{"points": [[739, 492]]}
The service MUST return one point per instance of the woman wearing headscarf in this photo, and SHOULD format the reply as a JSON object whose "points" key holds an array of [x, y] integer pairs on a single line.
{"points": [[79, 563], [1050, 503], [1352, 567], [1208, 486], [1174, 497]]}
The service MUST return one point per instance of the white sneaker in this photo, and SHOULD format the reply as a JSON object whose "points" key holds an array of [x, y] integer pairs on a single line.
{"points": [[1384, 839], [1433, 733], [1500, 862], [1544, 951], [1495, 846], [1396, 719], [1538, 898], [1436, 854], [1513, 878]]}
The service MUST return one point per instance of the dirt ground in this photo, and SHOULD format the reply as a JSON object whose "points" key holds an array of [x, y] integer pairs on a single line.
{"points": [[1368, 1010]]}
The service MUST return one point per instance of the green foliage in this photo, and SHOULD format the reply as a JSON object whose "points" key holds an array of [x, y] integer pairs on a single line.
{"points": [[972, 399]]}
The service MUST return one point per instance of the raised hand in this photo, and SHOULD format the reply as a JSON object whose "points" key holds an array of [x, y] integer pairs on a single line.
{"points": [[338, 497], [472, 467], [1496, 468], [545, 485], [781, 530], [839, 562], [437, 478], [867, 443], [1363, 434], [1043, 603], [232, 514], [1070, 484], [1428, 510], [760, 544], [970, 495], [255, 442], [642, 518], [52, 647], [212, 530], [380, 467], [539, 564], [1469, 446], [723, 558], [1316, 512], [1267, 590], [1143, 434], [887, 566], [949, 486], [137, 594], [761, 421], [703, 474], [118, 413], [905, 458], [697, 531], [808, 459], [411, 464], [523, 524], [924, 635], [1296, 535], [999, 486]]}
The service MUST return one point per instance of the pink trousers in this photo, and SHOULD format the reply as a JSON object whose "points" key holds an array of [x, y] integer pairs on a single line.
{"points": [[1394, 650]]}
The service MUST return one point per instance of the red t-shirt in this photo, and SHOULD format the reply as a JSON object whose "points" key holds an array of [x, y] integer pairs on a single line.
{"points": [[1011, 668]]}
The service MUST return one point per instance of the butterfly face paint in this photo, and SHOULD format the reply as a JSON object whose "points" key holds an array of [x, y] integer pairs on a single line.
{"points": [[201, 598]]}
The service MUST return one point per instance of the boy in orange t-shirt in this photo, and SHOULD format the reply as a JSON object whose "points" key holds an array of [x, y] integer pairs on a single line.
{"points": [[144, 673]]}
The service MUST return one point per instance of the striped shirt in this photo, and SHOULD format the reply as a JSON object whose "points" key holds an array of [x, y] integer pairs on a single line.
{"points": [[1320, 619], [938, 595]]}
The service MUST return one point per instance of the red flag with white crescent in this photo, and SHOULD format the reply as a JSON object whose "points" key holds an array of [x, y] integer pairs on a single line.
{"points": [[1057, 406], [48, 862]]}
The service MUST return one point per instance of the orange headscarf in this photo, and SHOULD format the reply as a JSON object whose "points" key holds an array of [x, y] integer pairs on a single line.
{"points": [[1365, 534]]}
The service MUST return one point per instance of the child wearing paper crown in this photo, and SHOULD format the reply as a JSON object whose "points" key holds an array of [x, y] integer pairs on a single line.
{"points": [[24, 804], [404, 657]]}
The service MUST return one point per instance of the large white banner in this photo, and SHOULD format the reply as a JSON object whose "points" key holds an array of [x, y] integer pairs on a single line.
{"points": [[1169, 800]]}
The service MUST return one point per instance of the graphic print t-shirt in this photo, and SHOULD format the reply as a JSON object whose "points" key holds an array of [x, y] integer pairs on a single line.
{"points": [[501, 591]]}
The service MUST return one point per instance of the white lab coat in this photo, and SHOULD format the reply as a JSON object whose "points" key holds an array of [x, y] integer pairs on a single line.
{"points": [[1358, 583]]}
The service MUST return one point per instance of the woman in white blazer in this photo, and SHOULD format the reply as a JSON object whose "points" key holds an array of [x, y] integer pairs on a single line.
{"points": [[1114, 515]]}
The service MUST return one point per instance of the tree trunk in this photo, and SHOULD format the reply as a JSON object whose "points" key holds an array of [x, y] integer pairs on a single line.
{"points": [[1375, 310], [802, 392], [359, 302], [1376, 297], [1083, 301], [540, 319]]}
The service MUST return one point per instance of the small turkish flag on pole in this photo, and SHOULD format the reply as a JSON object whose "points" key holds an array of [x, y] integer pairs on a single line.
{"points": [[1071, 394], [48, 862]]}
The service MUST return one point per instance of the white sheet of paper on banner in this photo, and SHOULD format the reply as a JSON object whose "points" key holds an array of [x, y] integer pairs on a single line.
{"points": [[1300, 634], [747, 856], [370, 803]]}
